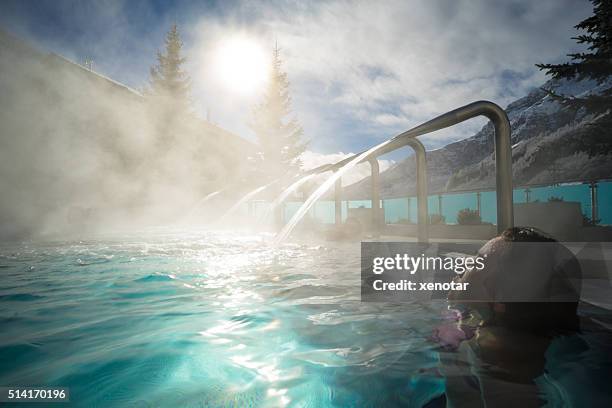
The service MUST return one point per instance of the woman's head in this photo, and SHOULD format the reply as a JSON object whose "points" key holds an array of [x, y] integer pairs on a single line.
{"points": [[534, 280]]}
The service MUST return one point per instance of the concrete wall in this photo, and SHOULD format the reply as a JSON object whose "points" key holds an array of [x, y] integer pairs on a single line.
{"points": [[561, 219]]}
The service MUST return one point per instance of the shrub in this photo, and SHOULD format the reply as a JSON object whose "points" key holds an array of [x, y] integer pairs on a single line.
{"points": [[468, 217], [435, 219]]}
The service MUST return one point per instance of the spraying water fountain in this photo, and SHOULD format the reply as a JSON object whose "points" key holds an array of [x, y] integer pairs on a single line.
{"points": [[245, 199], [352, 162], [198, 205], [285, 194]]}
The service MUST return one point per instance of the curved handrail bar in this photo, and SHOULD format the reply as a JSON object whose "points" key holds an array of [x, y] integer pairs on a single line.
{"points": [[422, 184], [375, 194], [503, 151]]}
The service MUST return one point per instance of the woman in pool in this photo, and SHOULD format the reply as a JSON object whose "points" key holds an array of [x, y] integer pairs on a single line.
{"points": [[526, 295]]}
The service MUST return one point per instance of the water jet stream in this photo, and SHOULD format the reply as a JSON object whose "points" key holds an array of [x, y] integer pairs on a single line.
{"points": [[284, 233], [194, 208], [204, 199], [244, 199], [286, 193]]}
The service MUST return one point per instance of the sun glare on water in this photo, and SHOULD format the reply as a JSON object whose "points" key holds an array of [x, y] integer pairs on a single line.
{"points": [[241, 64]]}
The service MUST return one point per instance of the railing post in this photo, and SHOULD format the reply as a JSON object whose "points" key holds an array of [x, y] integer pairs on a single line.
{"points": [[408, 213], [375, 195], [338, 202], [527, 195], [422, 190], [503, 166], [594, 209]]}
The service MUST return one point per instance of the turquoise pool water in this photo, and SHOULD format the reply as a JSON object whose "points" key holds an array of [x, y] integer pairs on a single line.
{"points": [[225, 320], [207, 320]]}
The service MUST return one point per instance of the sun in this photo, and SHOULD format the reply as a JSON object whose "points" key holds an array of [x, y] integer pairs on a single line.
{"points": [[241, 64]]}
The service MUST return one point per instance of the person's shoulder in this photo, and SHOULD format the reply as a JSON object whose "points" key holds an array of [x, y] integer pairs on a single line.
{"points": [[496, 338]]}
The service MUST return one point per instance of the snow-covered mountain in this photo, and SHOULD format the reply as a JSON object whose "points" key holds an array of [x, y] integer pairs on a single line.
{"points": [[542, 150]]}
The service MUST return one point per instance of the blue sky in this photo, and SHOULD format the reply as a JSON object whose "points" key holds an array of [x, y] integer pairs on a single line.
{"points": [[360, 71]]}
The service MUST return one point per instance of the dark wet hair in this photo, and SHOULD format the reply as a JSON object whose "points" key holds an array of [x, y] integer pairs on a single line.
{"points": [[526, 234]]}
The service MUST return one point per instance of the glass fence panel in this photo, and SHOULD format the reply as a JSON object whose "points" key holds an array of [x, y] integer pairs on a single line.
{"points": [[290, 208], [488, 207], [413, 210], [360, 204], [453, 203], [604, 202], [396, 210], [325, 212], [432, 204], [519, 195], [579, 193]]}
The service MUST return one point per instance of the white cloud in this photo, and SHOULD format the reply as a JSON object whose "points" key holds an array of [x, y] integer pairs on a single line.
{"points": [[311, 159], [382, 67], [387, 119]]}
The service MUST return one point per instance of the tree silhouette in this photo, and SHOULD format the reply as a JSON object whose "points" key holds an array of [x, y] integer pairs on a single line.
{"points": [[596, 64], [279, 134], [168, 80], [169, 92]]}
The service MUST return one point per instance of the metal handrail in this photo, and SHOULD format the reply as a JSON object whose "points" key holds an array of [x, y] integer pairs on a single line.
{"points": [[503, 151]]}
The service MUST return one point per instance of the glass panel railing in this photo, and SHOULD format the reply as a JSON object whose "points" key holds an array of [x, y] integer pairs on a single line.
{"points": [[404, 209], [396, 210], [604, 202]]}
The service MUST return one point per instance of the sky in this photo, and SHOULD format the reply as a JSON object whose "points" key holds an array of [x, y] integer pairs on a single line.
{"points": [[360, 71]]}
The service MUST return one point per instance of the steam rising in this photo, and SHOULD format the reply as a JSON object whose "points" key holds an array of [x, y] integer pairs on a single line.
{"points": [[80, 152]]}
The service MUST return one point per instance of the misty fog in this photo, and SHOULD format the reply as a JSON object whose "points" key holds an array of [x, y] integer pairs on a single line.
{"points": [[79, 151]]}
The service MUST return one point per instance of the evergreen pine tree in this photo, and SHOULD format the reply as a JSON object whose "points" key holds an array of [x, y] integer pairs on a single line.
{"points": [[595, 64], [168, 80], [279, 135]]}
